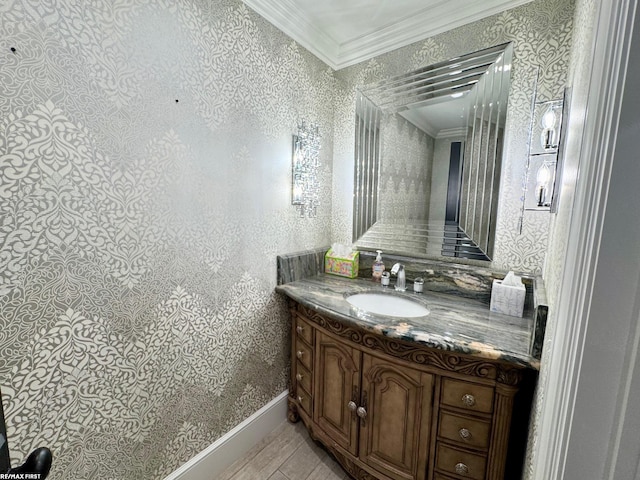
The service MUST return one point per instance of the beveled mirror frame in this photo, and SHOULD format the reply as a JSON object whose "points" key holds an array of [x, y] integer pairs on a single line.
{"points": [[483, 77]]}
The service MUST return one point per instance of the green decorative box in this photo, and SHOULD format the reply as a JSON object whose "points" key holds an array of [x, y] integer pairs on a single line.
{"points": [[343, 266]]}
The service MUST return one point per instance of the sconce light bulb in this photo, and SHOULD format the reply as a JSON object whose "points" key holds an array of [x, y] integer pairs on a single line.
{"points": [[544, 175], [549, 119]]}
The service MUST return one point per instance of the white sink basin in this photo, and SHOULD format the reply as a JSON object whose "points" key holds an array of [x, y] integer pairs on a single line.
{"points": [[387, 304]]}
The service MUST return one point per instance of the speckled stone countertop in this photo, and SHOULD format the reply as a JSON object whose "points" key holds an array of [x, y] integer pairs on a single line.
{"points": [[454, 323]]}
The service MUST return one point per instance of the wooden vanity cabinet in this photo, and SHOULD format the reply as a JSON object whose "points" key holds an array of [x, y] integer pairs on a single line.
{"points": [[393, 410]]}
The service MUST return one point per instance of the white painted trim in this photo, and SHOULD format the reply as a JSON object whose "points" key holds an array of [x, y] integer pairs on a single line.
{"points": [[622, 284], [234, 444], [452, 132], [444, 16], [611, 45], [624, 455], [287, 17]]}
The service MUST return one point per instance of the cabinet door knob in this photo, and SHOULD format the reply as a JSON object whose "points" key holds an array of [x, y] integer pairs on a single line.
{"points": [[361, 412], [299, 329], [461, 469], [299, 399], [469, 400], [298, 377], [299, 353], [352, 406], [465, 434]]}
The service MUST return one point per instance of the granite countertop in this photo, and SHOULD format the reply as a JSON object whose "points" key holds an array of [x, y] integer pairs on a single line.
{"points": [[454, 323]]}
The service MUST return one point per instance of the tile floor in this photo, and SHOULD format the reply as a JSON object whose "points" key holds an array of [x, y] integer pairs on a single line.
{"points": [[288, 453]]}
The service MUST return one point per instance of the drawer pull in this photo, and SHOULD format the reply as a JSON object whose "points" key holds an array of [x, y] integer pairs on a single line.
{"points": [[299, 329], [465, 434], [468, 399], [352, 406], [299, 353], [298, 377], [461, 469]]}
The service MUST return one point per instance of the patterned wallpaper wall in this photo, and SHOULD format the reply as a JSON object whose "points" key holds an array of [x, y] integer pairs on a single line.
{"points": [[541, 32], [144, 182]]}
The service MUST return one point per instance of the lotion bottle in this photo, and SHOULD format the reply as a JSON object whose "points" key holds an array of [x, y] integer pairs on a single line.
{"points": [[378, 267]]}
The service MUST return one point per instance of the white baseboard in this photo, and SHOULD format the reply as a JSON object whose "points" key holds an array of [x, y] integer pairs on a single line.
{"points": [[213, 460]]}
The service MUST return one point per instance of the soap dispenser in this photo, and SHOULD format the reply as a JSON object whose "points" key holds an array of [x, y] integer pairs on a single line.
{"points": [[378, 267]]}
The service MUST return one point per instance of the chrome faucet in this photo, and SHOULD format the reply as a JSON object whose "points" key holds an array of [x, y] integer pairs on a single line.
{"points": [[401, 284]]}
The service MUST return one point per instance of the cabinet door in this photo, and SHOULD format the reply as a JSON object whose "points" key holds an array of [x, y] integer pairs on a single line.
{"points": [[337, 383], [395, 432]]}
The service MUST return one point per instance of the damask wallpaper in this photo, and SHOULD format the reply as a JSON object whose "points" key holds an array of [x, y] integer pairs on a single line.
{"points": [[541, 35], [145, 153]]}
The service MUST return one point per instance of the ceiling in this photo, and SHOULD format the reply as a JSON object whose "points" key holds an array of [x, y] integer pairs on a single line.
{"points": [[345, 32]]}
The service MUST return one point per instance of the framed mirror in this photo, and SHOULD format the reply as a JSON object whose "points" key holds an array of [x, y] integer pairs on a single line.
{"points": [[428, 152]]}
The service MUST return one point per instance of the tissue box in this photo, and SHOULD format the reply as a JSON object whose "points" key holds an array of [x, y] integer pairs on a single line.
{"points": [[507, 299], [343, 266]]}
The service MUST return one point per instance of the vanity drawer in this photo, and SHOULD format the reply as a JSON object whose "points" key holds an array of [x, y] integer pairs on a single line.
{"points": [[304, 354], [469, 396], [463, 430], [304, 399], [303, 377], [304, 331], [459, 462]]}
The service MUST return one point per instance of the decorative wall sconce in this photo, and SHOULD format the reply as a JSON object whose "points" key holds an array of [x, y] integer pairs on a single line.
{"points": [[305, 185], [544, 149]]}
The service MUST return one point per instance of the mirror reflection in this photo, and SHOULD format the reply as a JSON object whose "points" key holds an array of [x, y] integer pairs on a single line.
{"points": [[428, 150]]}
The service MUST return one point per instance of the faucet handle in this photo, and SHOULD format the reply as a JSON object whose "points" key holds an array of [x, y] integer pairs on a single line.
{"points": [[396, 268]]}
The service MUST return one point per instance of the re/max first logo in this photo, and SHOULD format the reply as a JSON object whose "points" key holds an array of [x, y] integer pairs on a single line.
{"points": [[20, 476]]}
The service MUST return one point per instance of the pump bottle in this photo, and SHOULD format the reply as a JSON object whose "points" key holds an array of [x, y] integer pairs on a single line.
{"points": [[378, 267]]}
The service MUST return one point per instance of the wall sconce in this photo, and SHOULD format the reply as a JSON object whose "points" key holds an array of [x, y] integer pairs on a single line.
{"points": [[544, 159], [305, 185]]}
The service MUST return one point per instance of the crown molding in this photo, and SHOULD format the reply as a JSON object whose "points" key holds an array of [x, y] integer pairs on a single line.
{"points": [[286, 16], [439, 18], [452, 132]]}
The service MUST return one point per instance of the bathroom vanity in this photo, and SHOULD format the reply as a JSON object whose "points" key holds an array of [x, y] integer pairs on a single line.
{"points": [[426, 397]]}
